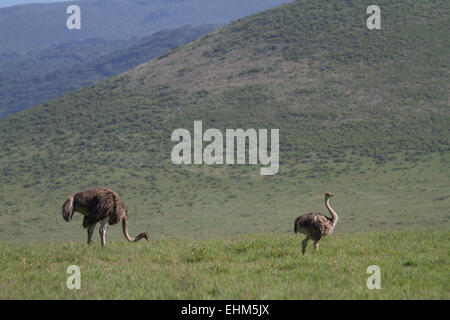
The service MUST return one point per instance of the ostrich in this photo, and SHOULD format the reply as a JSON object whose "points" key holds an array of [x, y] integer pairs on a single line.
{"points": [[99, 205], [316, 225]]}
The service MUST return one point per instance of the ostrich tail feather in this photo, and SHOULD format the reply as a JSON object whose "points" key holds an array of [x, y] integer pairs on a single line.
{"points": [[67, 209]]}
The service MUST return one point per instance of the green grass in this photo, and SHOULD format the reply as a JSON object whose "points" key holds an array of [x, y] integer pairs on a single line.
{"points": [[206, 202], [413, 265]]}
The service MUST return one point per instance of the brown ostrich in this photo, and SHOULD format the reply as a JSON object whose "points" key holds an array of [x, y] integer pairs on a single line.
{"points": [[316, 225], [99, 205]]}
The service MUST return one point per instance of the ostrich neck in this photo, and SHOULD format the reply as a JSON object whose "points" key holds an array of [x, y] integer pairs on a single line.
{"points": [[125, 230], [332, 212]]}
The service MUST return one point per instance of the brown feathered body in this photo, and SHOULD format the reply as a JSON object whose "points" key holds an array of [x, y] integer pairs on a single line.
{"points": [[96, 205], [315, 225], [99, 205]]}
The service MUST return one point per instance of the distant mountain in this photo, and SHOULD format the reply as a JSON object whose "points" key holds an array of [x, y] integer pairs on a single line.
{"points": [[38, 26], [9, 3], [41, 59], [40, 75]]}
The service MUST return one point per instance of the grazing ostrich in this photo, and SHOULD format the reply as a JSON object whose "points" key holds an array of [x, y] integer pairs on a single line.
{"points": [[99, 205], [316, 225]]}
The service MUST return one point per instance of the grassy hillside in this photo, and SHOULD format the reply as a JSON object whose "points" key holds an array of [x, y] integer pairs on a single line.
{"points": [[413, 265], [364, 114]]}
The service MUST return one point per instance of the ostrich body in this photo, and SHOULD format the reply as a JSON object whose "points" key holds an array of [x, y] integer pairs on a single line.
{"points": [[315, 225], [99, 205]]}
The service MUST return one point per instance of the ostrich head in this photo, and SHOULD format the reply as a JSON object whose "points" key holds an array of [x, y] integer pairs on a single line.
{"points": [[328, 195], [142, 235]]}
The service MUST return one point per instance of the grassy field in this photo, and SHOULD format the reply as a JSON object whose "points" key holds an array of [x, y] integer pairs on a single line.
{"points": [[206, 202], [413, 265]]}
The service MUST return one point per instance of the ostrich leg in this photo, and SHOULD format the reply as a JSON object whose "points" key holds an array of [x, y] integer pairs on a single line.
{"points": [[102, 231], [90, 232], [316, 246], [304, 243]]}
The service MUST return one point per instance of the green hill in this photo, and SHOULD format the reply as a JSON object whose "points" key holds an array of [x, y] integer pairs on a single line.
{"points": [[364, 114]]}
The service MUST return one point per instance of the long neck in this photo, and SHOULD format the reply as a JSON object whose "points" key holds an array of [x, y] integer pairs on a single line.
{"points": [[334, 216], [125, 230], [142, 235]]}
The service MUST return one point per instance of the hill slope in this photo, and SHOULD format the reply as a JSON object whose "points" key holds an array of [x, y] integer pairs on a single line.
{"points": [[362, 113]]}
